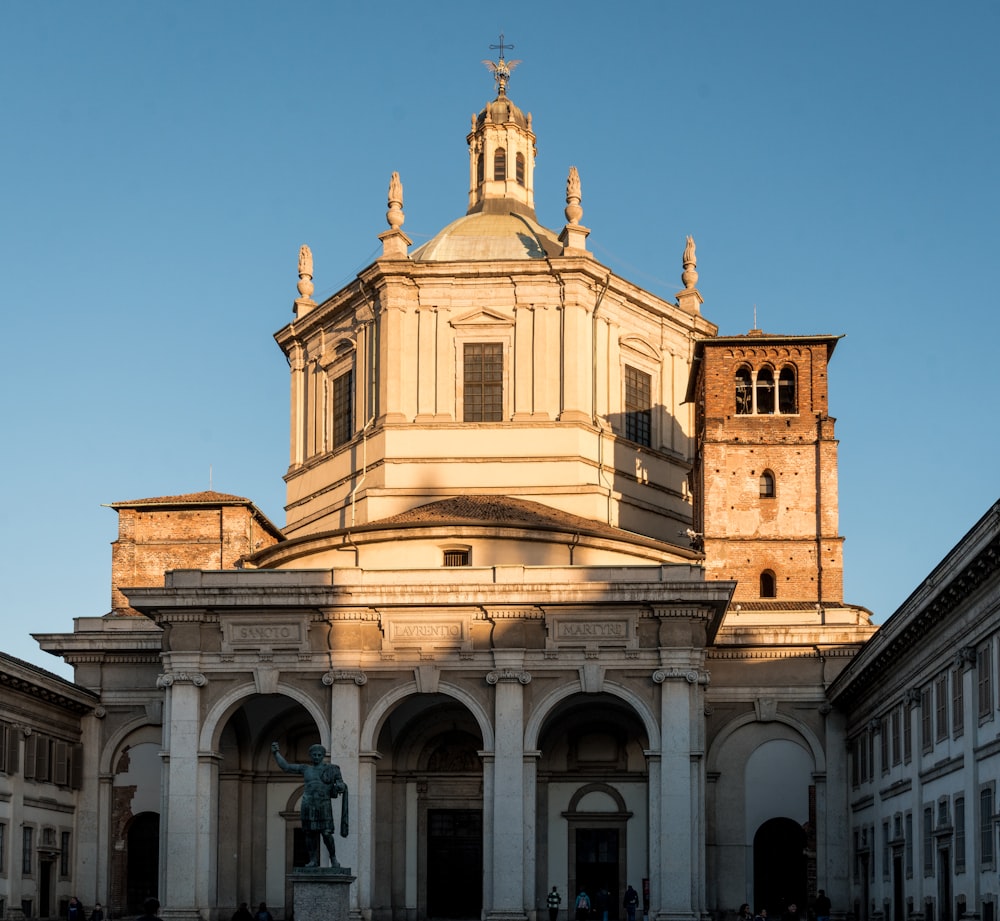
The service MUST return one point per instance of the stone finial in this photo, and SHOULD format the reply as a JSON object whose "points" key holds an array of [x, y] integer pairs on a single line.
{"points": [[573, 210], [305, 284], [395, 215], [689, 276]]}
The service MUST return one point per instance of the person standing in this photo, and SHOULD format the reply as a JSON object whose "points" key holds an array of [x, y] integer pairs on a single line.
{"points": [[98, 913], [822, 906], [242, 913], [263, 914], [150, 909], [582, 906], [75, 910], [630, 902], [552, 902], [603, 902]]}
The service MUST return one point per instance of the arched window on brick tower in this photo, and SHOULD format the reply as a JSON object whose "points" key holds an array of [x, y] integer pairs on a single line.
{"points": [[767, 585], [767, 485], [786, 390], [765, 391], [500, 164], [744, 392], [519, 169]]}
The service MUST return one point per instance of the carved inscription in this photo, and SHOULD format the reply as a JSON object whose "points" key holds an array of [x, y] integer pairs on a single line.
{"points": [[405, 631], [568, 629], [263, 635]]}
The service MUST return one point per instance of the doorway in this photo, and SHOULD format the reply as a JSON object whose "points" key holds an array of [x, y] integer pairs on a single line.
{"points": [[454, 863], [779, 866], [45, 889], [597, 867], [143, 855]]}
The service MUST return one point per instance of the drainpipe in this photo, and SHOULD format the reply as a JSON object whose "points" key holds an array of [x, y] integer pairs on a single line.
{"points": [[609, 484]]}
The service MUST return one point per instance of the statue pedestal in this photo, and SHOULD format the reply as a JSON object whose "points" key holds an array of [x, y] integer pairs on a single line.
{"points": [[321, 893]]}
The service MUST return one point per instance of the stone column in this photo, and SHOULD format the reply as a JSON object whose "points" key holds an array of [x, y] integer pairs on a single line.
{"points": [[182, 841], [345, 731], [672, 878], [530, 830], [507, 803]]}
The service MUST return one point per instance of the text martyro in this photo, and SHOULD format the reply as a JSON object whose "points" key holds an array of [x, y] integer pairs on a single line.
{"points": [[577, 629]]}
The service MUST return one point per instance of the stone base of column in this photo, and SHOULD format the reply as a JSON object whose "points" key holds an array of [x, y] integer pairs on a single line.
{"points": [[497, 914], [675, 916], [321, 893]]}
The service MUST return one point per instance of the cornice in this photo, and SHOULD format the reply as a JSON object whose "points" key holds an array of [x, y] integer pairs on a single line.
{"points": [[893, 646]]}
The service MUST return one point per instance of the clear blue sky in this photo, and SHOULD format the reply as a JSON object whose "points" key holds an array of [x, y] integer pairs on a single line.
{"points": [[162, 162]]}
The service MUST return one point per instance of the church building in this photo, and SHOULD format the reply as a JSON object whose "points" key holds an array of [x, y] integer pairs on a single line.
{"points": [[559, 589]]}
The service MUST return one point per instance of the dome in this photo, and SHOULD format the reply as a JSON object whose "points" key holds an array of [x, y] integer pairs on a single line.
{"points": [[500, 111], [485, 236]]}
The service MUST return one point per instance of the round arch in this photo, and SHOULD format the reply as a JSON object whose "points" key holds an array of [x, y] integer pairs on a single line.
{"points": [[380, 710], [808, 737], [216, 718], [548, 703], [141, 728]]}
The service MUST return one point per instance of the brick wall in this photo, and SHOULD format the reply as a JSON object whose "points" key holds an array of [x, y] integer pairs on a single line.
{"points": [[153, 539], [794, 533]]}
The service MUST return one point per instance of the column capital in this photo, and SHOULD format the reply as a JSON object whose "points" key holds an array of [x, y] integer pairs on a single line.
{"points": [[343, 675], [170, 678], [508, 674], [690, 675]]}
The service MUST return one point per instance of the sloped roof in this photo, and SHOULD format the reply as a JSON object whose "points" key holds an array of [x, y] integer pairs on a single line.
{"points": [[208, 497]]}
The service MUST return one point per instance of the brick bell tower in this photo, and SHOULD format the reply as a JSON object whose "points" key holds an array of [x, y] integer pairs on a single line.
{"points": [[765, 475]]}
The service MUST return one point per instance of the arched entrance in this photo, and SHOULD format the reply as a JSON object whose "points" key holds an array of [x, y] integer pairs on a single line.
{"points": [[592, 795], [259, 828], [429, 811], [142, 849], [779, 866]]}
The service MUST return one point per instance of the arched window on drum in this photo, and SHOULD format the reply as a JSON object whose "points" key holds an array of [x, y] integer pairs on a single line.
{"points": [[500, 164]]}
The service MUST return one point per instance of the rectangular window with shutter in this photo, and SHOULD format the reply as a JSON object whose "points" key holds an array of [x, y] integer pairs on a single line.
{"points": [[984, 675], [27, 849], [64, 854], [483, 382], [60, 767], [638, 406], [343, 408]]}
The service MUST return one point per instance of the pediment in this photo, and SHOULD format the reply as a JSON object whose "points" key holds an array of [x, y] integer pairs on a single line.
{"points": [[640, 346], [483, 317]]}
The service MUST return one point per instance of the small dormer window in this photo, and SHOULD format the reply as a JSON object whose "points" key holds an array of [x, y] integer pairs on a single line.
{"points": [[456, 558], [500, 164]]}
